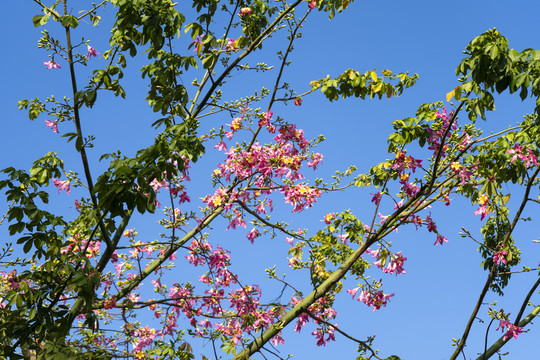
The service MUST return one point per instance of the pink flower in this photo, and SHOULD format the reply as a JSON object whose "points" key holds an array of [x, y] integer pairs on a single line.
{"points": [[519, 152], [483, 202], [197, 45], [110, 303], [352, 292], [440, 240], [129, 232], [376, 299], [315, 161], [51, 64], [53, 125], [276, 340], [394, 266], [265, 121], [328, 218], [312, 4], [319, 335], [221, 146], [91, 52], [431, 226], [343, 238], [253, 234], [482, 211], [244, 12], [500, 257], [410, 189], [62, 185], [512, 330], [298, 101], [231, 45], [376, 198]]}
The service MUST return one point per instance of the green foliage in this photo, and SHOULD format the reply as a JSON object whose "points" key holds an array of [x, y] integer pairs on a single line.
{"points": [[352, 83], [491, 64], [145, 22], [74, 257]]}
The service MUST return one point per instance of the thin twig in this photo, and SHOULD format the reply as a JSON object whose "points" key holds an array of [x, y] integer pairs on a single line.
{"points": [[363, 343]]}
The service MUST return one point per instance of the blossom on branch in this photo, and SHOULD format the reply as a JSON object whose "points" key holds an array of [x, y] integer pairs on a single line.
{"points": [[511, 329], [51, 64], [91, 52], [245, 11], [62, 185], [53, 125], [500, 257]]}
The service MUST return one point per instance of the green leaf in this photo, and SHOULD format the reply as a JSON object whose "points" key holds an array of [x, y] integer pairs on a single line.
{"points": [[40, 20], [69, 21], [27, 247]]}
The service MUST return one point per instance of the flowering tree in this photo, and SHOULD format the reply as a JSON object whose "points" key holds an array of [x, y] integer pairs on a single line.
{"points": [[83, 284]]}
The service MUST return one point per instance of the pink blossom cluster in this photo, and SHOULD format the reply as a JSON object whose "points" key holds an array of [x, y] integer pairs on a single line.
{"points": [[11, 280], [141, 248], [374, 298], [321, 332], [300, 196], [523, 154], [483, 201], [262, 164], [266, 120], [463, 173], [143, 337], [389, 263], [289, 132], [265, 161], [76, 244], [328, 218], [235, 126], [321, 309], [511, 329], [219, 301], [403, 162], [109, 303], [436, 135]]}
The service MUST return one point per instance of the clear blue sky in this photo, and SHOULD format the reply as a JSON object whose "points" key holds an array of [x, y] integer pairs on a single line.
{"points": [[434, 298]]}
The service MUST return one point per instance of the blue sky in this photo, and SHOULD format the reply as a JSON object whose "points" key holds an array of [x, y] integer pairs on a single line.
{"points": [[434, 298]]}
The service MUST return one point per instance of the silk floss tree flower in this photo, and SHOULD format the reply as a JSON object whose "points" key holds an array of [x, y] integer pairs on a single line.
{"points": [[52, 124], [244, 12], [51, 64], [62, 185], [91, 52]]}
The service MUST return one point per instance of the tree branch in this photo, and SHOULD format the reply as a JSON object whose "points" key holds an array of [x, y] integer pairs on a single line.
{"points": [[492, 273]]}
